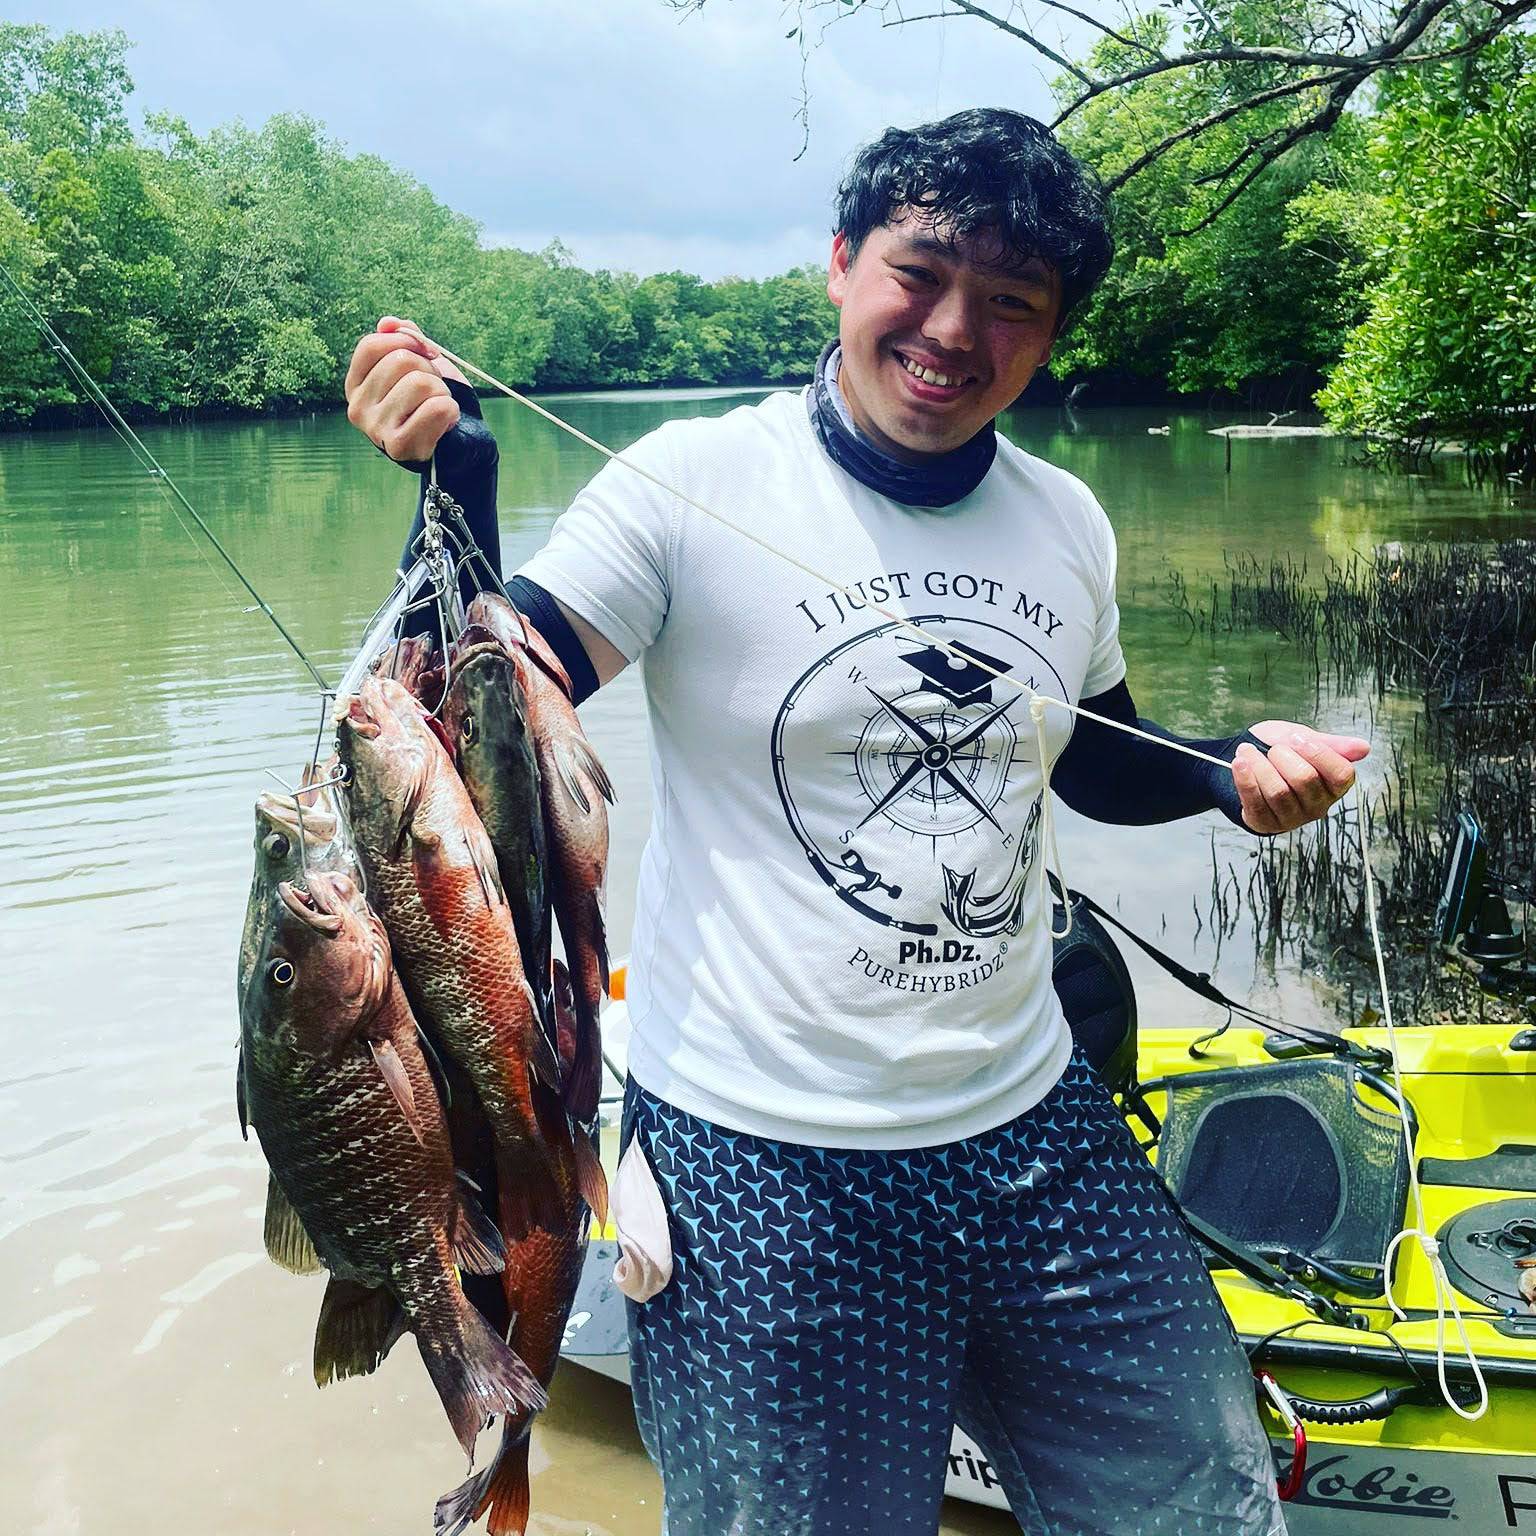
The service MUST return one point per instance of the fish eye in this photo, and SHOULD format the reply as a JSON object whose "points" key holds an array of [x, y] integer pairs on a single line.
{"points": [[275, 845], [280, 973], [468, 730]]}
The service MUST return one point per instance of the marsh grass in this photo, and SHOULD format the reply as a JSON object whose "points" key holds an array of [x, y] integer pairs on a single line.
{"points": [[1453, 630]]}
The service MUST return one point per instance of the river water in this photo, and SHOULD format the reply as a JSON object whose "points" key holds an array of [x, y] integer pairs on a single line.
{"points": [[153, 1367]]}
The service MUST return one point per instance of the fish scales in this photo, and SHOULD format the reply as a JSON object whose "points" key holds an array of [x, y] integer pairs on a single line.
{"points": [[432, 873], [353, 1130]]}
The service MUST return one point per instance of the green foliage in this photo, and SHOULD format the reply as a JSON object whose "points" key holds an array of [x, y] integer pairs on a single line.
{"points": [[1445, 350], [236, 270], [1257, 293]]}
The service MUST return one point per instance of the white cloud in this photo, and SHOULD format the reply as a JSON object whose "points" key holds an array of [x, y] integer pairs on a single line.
{"points": [[642, 138]]}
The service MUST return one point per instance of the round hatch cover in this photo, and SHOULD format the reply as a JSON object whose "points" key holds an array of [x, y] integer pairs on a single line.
{"points": [[1480, 1248]]}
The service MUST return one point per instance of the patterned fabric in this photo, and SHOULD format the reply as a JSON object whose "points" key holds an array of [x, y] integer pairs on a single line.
{"points": [[833, 1312], [939, 481]]}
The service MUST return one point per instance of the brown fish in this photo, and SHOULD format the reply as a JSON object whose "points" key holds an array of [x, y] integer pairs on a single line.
{"points": [[540, 1281], [351, 1125], [574, 788], [483, 715], [433, 878]]}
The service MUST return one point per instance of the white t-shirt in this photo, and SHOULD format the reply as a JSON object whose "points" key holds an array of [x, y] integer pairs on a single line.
{"points": [[838, 936]]}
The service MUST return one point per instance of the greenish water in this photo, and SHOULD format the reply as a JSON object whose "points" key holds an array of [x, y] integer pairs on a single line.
{"points": [[140, 708]]}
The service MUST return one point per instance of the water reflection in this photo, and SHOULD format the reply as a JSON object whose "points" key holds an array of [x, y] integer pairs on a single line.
{"points": [[153, 1369]]}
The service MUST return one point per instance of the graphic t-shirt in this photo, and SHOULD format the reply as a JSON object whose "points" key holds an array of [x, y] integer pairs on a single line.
{"points": [[839, 937]]}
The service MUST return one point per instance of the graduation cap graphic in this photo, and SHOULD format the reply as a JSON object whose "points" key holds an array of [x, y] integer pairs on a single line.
{"points": [[960, 681]]}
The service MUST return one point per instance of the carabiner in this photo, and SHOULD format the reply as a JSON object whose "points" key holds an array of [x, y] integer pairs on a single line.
{"points": [[1290, 1484]]}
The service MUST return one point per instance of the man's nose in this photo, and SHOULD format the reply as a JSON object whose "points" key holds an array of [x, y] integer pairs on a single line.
{"points": [[950, 323]]}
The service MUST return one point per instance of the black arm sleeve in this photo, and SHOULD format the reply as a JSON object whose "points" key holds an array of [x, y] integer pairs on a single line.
{"points": [[1113, 777], [543, 612], [466, 469], [467, 461]]}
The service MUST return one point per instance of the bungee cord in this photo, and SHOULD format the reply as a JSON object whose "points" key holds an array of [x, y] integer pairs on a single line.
{"points": [[442, 571]]}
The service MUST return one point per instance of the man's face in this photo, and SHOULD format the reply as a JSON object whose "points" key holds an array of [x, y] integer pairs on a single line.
{"points": [[910, 303]]}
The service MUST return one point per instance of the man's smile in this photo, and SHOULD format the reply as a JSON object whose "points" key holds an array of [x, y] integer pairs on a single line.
{"points": [[931, 380]]}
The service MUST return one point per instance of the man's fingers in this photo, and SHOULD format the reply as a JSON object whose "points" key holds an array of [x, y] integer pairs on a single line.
{"points": [[367, 354], [392, 324], [420, 410], [372, 410], [1273, 791], [1331, 765]]}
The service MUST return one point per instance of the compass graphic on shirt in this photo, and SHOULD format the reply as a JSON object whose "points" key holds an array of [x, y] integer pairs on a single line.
{"points": [[901, 769]]}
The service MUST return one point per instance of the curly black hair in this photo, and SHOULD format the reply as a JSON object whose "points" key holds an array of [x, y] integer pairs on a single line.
{"points": [[986, 170]]}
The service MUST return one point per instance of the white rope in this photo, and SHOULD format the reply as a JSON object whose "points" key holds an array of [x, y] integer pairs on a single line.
{"points": [[1428, 1244], [1038, 704]]}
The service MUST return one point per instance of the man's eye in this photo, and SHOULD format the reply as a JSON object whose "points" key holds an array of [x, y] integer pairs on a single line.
{"points": [[1013, 301], [917, 274]]}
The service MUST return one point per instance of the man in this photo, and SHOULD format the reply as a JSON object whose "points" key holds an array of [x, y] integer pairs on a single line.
{"points": [[897, 1199]]}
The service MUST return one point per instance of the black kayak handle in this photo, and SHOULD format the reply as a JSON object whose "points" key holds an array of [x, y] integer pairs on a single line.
{"points": [[1375, 1405]]}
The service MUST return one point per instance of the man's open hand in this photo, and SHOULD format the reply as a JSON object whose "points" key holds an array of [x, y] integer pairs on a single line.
{"points": [[395, 392], [1305, 773]]}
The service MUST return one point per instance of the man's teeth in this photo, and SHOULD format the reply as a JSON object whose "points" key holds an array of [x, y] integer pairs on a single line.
{"points": [[928, 376]]}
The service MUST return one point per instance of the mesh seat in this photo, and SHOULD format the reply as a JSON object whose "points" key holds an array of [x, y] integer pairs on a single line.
{"points": [[1289, 1158]]}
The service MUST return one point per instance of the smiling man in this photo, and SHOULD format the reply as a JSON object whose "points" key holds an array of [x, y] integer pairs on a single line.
{"points": [[896, 1197]]}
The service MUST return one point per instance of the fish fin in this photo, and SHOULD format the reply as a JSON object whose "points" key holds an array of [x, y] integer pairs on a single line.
{"points": [[476, 1375], [543, 1058], [590, 764], [529, 1196], [502, 1487], [242, 1103], [565, 770], [590, 1178], [584, 1079], [561, 1000], [477, 1245], [600, 939], [387, 1059], [483, 857], [288, 1244], [358, 1326]]}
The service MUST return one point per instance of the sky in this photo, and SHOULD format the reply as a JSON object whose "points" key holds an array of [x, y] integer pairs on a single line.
{"points": [[642, 138]]}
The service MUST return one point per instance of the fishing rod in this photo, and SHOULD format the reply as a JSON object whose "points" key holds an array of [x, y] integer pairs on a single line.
{"points": [[152, 466]]}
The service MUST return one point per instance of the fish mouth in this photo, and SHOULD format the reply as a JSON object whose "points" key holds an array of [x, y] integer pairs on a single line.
{"points": [[353, 713], [317, 828], [313, 907]]}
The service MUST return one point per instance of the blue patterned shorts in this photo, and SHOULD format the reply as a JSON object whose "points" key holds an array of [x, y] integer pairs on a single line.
{"points": [[833, 1312]]}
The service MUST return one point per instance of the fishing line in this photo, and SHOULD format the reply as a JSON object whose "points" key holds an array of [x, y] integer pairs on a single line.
{"points": [[1038, 704], [148, 462]]}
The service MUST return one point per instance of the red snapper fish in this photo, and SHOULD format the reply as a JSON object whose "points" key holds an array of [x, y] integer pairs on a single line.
{"points": [[575, 793], [433, 878], [353, 1131]]}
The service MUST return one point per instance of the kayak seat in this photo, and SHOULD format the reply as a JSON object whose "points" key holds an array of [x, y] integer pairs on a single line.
{"points": [[1293, 1161]]}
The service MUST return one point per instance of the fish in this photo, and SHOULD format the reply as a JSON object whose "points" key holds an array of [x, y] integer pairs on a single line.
{"points": [[354, 1134], [433, 878], [295, 836], [540, 1280], [484, 717], [575, 792]]}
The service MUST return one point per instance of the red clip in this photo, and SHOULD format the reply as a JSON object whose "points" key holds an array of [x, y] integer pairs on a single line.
{"points": [[1290, 1484]]}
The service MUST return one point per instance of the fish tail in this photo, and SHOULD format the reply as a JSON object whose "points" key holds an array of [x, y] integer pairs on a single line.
{"points": [[501, 1487], [476, 1375]]}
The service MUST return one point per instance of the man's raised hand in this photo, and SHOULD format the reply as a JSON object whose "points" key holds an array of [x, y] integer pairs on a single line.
{"points": [[1305, 772], [395, 392]]}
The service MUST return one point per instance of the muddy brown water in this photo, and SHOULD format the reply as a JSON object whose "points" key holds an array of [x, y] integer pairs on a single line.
{"points": [[153, 1366]]}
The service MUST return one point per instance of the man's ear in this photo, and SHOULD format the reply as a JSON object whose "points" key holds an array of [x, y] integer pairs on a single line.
{"points": [[837, 268]]}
